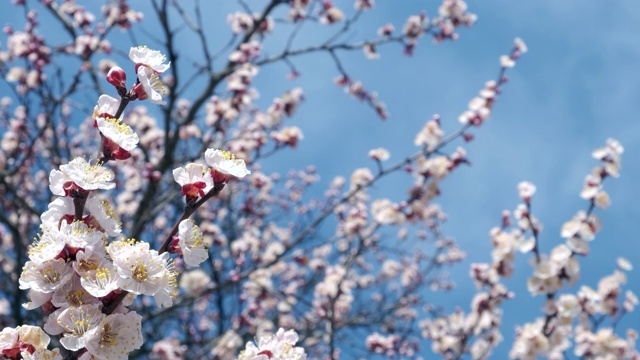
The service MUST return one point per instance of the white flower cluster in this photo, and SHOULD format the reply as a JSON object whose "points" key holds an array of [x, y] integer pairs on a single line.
{"points": [[549, 336], [197, 182], [281, 346], [453, 334], [431, 135], [480, 106], [478, 331], [73, 272], [82, 280], [244, 23], [149, 64], [453, 14], [610, 155]]}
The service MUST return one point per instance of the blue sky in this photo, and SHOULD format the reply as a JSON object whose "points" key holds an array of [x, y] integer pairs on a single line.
{"points": [[577, 86]]}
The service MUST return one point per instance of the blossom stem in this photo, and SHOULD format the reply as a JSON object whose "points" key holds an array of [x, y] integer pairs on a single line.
{"points": [[110, 308], [534, 231], [123, 104], [78, 203], [188, 211]]}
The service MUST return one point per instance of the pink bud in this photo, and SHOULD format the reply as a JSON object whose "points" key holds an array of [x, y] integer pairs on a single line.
{"points": [[342, 80], [293, 74], [408, 49], [117, 77]]}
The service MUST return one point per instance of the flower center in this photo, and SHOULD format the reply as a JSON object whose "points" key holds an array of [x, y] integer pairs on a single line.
{"points": [[51, 276], [140, 273], [75, 297], [108, 337]]}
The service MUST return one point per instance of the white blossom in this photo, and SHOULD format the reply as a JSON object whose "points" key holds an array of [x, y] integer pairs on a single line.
{"points": [[153, 59], [194, 180], [507, 62], [45, 276], [279, 346], [191, 243], [226, 163], [610, 155], [386, 212], [139, 268], [430, 136], [101, 280], [84, 175], [380, 154], [526, 190], [107, 107], [77, 322], [72, 294], [59, 209], [152, 87], [520, 45], [105, 218], [118, 132], [115, 336]]}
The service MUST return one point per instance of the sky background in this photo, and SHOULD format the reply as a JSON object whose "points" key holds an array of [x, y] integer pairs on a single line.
{"points": [[578, 85]]}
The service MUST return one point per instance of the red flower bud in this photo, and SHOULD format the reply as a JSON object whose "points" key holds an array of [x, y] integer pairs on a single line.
{"points": [[117, 77]]}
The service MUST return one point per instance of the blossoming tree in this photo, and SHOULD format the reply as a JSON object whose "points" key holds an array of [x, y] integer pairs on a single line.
{"points": [[160, 235]]}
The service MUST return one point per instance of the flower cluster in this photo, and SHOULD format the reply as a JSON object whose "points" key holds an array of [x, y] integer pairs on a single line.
{"points": [[548, 336], [84, 281], [478, 331], [74, 273], [243, 23], [480, 106], [149, 64], [281, 346], [452, 14]]}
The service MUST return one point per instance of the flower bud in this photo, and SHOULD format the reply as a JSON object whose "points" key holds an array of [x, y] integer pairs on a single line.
{"points": [[140, 93], [117, 77]]}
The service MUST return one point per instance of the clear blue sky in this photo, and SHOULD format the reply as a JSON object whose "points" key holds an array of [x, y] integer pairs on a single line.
{"points": [[578, 85]]}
